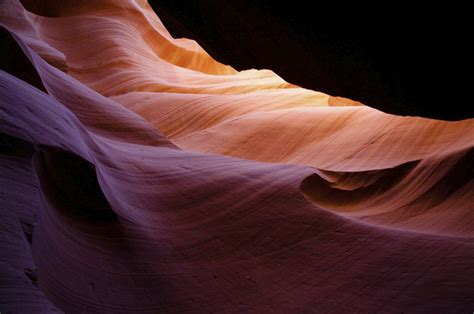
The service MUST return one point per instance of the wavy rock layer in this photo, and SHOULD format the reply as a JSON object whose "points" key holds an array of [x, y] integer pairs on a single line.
{"points": [[145, 176]]}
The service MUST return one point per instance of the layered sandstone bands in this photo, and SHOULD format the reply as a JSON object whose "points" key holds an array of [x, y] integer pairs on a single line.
{"points": [[162, 180]]}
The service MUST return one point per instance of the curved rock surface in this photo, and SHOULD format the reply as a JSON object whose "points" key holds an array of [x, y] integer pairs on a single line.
{"points": [[145, 176]]}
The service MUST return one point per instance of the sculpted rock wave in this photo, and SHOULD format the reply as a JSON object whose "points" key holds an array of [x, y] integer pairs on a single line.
{"points": [[141, 175]]}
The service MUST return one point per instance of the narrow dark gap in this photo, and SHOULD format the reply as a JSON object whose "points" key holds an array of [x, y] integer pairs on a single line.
{"points": [[28, 229], [32, 275], [14, 61]]}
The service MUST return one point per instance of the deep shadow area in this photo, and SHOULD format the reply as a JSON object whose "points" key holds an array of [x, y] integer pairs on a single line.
{"points": [[70, 183], [398, 58], [14, 146], [14, 61]]}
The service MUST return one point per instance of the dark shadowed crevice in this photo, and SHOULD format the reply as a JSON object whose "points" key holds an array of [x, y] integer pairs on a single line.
{"points": [[14, 61], [32, 275], [28, 229], [70, 184], [13, 146]]}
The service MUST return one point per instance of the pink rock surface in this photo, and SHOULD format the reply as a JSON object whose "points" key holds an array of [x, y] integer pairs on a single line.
{"points": [[164, 181]]}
